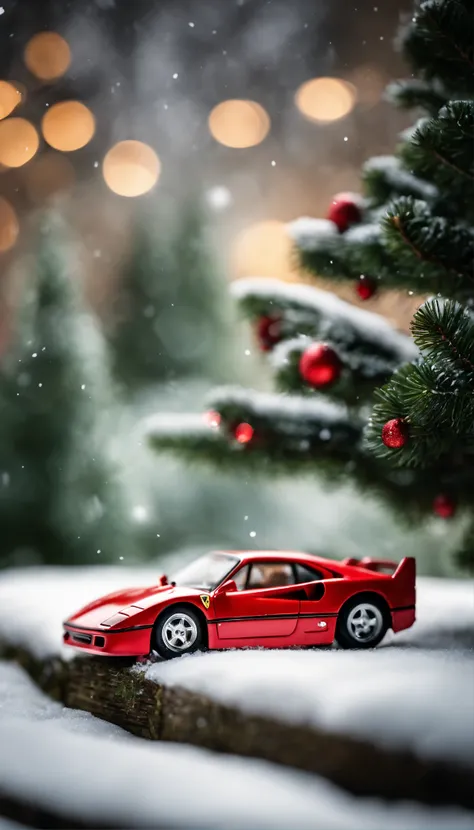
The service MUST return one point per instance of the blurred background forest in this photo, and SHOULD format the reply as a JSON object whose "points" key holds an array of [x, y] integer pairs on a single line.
{"points": [[137, 182]]}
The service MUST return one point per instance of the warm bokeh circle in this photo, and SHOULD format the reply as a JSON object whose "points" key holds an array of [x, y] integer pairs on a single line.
{"points": [[325, 99], [68, 126], [10, 98], [9, 227], [48, 56], [239, 123], [131, 168], [19, 142], [263, 250]]}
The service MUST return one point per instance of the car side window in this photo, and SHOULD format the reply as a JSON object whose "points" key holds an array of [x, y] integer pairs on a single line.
{"points": [[240, 578], [270, 575], [306, 574]]}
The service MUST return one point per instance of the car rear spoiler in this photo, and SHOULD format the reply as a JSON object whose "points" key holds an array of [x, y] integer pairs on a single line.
{"points": [[405, 570]]}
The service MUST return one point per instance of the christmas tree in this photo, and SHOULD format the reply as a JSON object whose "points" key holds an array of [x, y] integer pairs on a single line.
{"points": [[168, 312], [60, 496], [411, 231]]}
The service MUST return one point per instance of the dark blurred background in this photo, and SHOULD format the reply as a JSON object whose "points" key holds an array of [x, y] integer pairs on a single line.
{"points": [[153, 70]]}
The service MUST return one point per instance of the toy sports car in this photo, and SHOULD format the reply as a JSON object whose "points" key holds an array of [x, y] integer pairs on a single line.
{"points": [[248, 599]]}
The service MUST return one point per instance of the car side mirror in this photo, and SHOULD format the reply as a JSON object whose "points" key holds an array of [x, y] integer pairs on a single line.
{"points": [[228, 587]]}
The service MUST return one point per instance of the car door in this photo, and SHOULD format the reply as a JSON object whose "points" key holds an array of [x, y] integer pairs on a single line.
{"points": [[258, 612], [317, 617]]}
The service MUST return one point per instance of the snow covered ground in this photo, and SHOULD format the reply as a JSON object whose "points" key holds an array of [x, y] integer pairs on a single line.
{"points": [[415, 691], [409, 700], [71, 763]]}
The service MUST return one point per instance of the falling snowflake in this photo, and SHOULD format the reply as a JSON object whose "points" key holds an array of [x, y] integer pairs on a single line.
{"points": [[219, 197], [140, 513]]}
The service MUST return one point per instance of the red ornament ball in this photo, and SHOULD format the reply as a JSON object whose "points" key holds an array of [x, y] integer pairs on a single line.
{"points": [[212, 418], [243, 433], [366, 288], [444, 506], [345, 210], [320, 365], [268, 332], [395, 433]]}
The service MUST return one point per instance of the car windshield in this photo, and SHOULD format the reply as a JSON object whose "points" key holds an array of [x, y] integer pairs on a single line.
{"points": [[207, 572]]}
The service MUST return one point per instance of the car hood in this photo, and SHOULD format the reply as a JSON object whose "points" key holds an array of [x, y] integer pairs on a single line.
{"points": [[119, 608]]}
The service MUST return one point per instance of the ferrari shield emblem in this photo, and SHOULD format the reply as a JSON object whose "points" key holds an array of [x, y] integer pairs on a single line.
{"points": [[206, 601]]}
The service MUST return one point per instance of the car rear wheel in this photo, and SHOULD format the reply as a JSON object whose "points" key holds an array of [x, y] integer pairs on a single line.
{"points": [[362, 623], [178, 631]]}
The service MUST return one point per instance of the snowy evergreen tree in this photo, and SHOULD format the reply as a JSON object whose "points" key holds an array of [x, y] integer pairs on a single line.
{"points": [[169, 311], [412, 230], [60, 499]]}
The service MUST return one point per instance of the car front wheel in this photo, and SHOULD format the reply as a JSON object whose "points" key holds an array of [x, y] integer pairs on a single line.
{"points": [[178, 631], [362, 623]]}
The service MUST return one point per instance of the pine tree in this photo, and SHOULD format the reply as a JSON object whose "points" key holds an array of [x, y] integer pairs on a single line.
{"points": [[60, 498], [168, 311], [412, 230]]}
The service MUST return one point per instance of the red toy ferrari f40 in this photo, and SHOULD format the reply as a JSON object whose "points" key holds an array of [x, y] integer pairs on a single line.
{"points": [[251, 599]]}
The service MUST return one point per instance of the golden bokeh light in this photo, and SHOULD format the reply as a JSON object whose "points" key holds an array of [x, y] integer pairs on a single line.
{"points": [[325, 99], [46, 176], [263, 250], [9, 227], [131, 168], [239, 123], [48, 56], [68, 126], [10, 98], [19, 142]]}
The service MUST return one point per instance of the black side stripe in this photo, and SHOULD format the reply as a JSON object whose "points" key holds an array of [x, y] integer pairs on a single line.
{"points": [[270, 617], [106, 630]]}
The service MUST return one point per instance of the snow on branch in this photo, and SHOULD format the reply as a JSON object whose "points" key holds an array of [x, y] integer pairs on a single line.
{"points": [[398, 178], [177, 424], [273, 406], [311, 234], [362, 325]]}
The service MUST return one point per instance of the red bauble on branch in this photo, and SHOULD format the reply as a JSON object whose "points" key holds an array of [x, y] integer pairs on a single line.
{"points": [[212, 418], [444, 506], [345, 210], [320, 365], [268, 331], [366, 287], [395, 433], [243, 433]]}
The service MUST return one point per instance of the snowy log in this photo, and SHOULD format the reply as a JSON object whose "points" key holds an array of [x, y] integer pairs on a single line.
{"points": [[122, 694]]}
